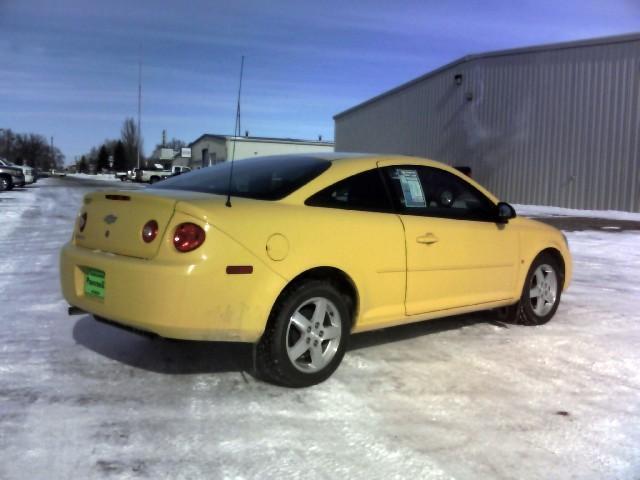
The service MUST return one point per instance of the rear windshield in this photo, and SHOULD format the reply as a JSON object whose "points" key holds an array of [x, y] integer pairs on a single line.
{"points": [[262, 178]]}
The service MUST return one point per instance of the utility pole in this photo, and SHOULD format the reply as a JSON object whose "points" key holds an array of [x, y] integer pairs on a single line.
{"points": [[53, 156], [139, 102]]}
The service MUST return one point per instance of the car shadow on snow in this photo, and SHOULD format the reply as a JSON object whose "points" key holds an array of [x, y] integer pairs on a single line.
{"points": [[187, 357], [161, 355], [421, 329]]}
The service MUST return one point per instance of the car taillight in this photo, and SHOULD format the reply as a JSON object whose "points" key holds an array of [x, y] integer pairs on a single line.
{"points": [[82, 222], [149, 231], [187, 237]]}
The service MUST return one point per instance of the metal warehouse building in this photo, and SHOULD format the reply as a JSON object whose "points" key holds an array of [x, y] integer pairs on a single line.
{"points": [[549, 125]]}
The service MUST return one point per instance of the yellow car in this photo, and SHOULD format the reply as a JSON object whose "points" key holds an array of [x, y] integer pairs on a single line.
{"points": [[294, 253]]}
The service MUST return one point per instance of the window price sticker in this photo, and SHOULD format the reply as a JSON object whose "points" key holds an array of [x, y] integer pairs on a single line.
{"points": [[411, 188]]}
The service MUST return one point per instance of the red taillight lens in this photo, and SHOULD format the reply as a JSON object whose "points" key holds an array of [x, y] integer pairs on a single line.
{"points": [[150, 231], [82, 222], [188, 236]]}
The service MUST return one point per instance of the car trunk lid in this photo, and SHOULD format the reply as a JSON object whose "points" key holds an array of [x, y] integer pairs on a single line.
{"points": [[115, 220]]}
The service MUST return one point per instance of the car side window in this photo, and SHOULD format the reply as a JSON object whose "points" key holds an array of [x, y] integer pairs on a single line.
{"points": [[419, 190], [364, 191]]}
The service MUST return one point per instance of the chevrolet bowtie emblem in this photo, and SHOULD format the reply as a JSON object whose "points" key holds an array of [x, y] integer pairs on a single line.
{"points": [[109, 219]]}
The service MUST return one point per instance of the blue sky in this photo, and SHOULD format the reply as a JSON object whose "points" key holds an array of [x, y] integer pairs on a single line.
{"points": [[69, 67]]}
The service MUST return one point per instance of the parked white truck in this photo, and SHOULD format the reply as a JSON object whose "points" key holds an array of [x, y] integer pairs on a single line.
{"points": [[158, 173]]}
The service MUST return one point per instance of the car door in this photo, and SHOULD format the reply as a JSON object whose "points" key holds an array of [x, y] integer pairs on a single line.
{"points": [[457, 255], [365, 237]]}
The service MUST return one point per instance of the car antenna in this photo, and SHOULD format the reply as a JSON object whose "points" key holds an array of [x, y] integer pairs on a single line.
{"points": [[236, 133]]}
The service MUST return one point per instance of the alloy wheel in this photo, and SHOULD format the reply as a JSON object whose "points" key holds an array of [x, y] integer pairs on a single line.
{"points": [[543, 290], [313, 334]]}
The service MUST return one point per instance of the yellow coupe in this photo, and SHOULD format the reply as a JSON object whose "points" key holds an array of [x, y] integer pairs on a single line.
{"points": [[294, 253]]}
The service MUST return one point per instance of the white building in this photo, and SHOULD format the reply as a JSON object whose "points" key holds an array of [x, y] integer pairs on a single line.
{"points": [[210, 149]]}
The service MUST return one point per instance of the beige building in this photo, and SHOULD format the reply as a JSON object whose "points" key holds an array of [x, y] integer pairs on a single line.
{"points": [[210, 149]]}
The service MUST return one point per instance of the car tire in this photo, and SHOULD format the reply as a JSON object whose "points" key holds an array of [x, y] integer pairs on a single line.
{"points": [[306, 335], [540, 294], [5, 184]]}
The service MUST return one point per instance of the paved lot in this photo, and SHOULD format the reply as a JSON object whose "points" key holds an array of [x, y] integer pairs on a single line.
{"points": [[465, 398]]}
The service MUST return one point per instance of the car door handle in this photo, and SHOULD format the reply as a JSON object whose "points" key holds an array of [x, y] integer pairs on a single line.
{"points": [[428, 238]]}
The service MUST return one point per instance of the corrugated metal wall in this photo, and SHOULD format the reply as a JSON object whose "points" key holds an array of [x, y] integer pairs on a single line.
{"points": [[556, 126]]}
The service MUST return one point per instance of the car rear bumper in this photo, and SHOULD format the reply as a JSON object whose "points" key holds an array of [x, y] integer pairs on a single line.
{"points": [[183, 301]]}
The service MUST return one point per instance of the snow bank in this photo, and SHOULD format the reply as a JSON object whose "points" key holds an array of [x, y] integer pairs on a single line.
{"points": [[106, 177], [543, 211]]}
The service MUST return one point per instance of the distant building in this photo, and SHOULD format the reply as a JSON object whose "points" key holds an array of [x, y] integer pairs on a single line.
{"points": [[162, 155], [210, 149], [551, 125]]}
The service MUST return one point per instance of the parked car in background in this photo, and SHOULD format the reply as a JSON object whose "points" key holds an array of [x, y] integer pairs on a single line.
{"points": [[132, 174], [11, 177], [152, 175], [179, 169], [27, 171], [313, 248]]}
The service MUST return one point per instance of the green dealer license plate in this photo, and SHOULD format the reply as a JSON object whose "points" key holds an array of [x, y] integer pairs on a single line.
{"points": [[94, 283]]}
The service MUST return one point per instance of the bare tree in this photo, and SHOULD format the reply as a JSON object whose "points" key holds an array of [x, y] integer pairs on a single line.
{"points": [[174, 143], [29, 149], [132, 141]]}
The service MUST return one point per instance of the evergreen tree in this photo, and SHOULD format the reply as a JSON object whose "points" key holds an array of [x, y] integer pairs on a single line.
{"points": [[119, 158], [103, 159], [83, 166]]}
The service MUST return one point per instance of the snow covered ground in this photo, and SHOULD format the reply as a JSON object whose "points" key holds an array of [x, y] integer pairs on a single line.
{"points": [[101, 177], [462, 398], [542, 211]]}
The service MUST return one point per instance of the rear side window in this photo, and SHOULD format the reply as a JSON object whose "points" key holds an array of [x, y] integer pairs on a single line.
{"points": [[262, 178], [364, 191]]}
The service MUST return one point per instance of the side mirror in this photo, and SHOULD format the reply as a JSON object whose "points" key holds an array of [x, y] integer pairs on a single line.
{"points": [[505, 212]]}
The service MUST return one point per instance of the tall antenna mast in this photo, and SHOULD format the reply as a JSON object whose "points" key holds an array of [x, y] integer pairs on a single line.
{"points": [[236, 134], [139, 101]]}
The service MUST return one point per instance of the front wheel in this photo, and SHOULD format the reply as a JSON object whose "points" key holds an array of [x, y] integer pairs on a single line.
{"points": [[5, 184], [540, 295], [306, 335]]}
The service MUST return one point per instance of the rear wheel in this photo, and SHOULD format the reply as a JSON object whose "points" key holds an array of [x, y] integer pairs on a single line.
{"points": [[540, 295], [306, 335]]}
